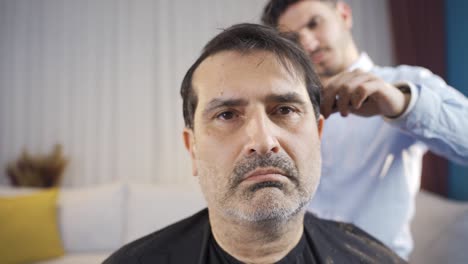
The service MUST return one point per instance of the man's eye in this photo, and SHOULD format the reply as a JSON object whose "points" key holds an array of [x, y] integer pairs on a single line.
{"points": [[284, 110], [312, 24], [228, 115]]}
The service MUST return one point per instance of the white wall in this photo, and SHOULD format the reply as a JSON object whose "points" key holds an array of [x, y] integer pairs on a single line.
{"points": [[102, 77]]}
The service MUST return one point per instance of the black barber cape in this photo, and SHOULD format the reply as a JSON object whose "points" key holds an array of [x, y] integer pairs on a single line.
{"points": [[191, 241]]}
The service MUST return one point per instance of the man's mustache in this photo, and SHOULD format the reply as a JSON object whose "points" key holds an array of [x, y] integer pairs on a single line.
{"points": [[276, 161]]}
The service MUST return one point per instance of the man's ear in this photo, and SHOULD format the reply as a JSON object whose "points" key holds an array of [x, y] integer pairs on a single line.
{"points": [[320, 124], [189, 142], [345, 12]]}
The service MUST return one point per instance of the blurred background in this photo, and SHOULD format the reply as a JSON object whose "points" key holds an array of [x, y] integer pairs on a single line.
{"points": [[89, 101], [102, 77]]}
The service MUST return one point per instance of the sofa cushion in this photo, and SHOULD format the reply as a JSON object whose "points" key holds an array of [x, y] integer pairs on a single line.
{"points": [[92, 218], [152, 207], [439, 229], [10, 191], [28, 227], [451, 246]]}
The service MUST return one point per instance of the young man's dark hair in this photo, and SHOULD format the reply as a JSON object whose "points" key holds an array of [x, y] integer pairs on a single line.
{"points": [[275, 8], [245, 38]]}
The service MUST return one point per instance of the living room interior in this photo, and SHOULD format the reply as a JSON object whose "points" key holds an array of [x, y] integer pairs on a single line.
{"points": [[91, 149]]}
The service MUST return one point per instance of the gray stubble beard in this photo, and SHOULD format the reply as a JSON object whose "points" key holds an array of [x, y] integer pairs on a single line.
{"points": [[271, 211]]}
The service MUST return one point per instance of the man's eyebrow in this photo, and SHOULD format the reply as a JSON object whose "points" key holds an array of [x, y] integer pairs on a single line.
{"points": [[291, 97], [218, 102]]}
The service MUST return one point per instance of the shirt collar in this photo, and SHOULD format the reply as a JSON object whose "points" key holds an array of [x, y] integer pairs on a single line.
{"points": [[363, 63]]}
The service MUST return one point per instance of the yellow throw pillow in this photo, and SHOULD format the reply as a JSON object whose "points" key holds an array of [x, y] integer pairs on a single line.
{"points": [[28, 228]]}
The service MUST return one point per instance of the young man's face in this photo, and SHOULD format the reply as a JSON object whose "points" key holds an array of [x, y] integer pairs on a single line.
{"points": [[324, 32], [256, 143]]}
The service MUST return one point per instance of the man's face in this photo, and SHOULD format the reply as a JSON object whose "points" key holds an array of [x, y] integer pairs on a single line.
{"points": [[324, 33], [255, 144]]}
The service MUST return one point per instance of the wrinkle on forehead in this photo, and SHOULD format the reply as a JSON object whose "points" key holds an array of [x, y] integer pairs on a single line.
{"points": [[228, 61]]}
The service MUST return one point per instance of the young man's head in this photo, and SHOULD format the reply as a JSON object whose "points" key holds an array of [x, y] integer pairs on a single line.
{"points": [[323, 28], [251, 109]]}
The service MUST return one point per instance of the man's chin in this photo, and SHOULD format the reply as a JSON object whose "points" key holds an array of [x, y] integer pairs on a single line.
{"points": [[325, 73], [265, 201], [326, 69], [270, 204], [269, 196], [264, 212]]}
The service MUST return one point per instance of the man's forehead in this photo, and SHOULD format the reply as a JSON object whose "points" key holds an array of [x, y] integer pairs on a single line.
{"points": [[297, 15], [229, 59], [232, 71]]}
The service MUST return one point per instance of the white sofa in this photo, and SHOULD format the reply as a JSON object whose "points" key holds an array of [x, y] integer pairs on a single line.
{"points": [[440, 231], [96, 221]]}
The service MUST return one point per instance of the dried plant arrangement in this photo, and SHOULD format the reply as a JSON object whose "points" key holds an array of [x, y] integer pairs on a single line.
{"points": [[38, 170]]}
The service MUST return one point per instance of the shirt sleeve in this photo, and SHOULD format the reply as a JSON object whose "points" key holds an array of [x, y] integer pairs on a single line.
{"points": [[437, 115]]}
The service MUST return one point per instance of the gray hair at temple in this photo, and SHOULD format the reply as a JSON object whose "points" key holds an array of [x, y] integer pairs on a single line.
{"points": [[247, 38], [275, 8]]}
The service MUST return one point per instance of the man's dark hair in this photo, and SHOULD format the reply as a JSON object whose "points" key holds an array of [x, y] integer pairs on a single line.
{"points": [[247, 38], [275, 8]]}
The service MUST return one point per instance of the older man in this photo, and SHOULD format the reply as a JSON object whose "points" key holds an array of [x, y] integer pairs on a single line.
{"points": [[253, 126], [372, 152]]}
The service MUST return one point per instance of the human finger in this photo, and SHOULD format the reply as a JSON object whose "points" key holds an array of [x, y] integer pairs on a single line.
{"points": [[359, 92], [346, 87], [343, 100], [337, 92]]}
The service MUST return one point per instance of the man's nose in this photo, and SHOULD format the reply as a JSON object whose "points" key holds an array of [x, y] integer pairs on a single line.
{"points": [[308, 40], [261, 136]]}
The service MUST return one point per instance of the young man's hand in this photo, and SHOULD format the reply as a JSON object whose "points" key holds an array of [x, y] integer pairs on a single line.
{"points": [[363, 94]]}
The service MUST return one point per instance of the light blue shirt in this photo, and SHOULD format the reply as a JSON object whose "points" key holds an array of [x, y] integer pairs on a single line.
{"points": [[371, 167]]}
